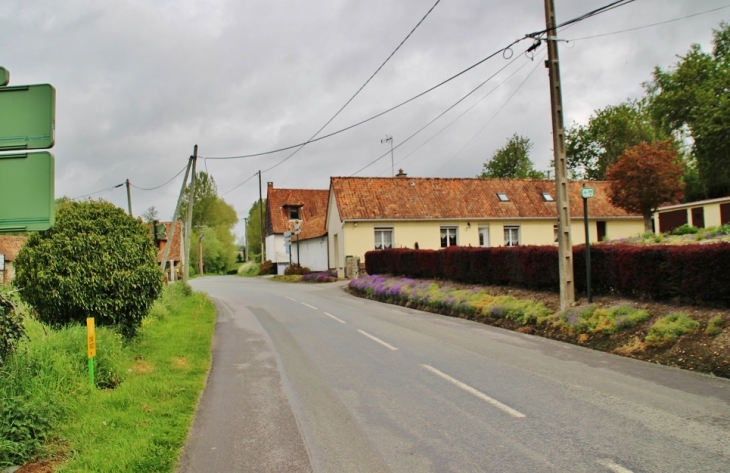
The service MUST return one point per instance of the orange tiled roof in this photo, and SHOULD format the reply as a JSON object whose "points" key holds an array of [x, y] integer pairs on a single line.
{"points": [[10, 246], [361, 198], [312, 205]]}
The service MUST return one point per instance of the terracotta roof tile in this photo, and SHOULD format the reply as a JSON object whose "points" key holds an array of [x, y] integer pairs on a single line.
{"points": [[439, 198], [10, 246], [312, 205]]}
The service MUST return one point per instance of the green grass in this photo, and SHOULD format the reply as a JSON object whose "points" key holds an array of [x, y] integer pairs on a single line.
{"points": [[137, 417], [592, 320]]}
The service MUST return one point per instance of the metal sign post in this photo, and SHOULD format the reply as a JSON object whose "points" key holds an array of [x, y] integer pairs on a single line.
{"points": [[586, 193]]}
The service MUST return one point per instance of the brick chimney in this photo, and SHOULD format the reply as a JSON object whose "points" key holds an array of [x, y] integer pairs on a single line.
{"points": [[401, 173]]}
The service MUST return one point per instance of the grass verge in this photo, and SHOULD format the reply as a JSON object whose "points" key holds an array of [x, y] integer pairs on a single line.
{"points": [[138, 415]]}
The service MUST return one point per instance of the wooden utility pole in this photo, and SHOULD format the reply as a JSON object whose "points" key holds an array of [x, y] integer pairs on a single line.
{"points": [[129, 198], [565, 245], [200, 254], [189, 220], [173, 226], [261, 220]]}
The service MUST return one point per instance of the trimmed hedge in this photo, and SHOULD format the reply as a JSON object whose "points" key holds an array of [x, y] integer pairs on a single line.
{"points": [[693, 273]]}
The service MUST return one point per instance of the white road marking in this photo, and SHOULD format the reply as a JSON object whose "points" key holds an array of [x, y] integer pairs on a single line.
{"points": [[336, 318], [310, 306], [614, 467], [476, 393], [290, 298], [376, 339]]}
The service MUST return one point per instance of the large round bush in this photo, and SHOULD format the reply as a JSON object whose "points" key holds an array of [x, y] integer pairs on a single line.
{"points": [[96, 262]]}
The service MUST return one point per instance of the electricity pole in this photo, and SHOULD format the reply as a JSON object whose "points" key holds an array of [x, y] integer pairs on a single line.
{"points": [[245, 239], [129, 198], [171, 237], [261, 220], [189, 220], [565, 246]]}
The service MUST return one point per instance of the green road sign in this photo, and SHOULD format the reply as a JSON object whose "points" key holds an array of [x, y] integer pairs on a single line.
{"points": [[26, 191], [4, 77], [27, 116], [587, 192]]}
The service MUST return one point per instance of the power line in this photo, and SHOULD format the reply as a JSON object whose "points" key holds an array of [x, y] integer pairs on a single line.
{"points": [[463, 113], [652, 24], [493, 116], [362, 122], [585, 16], [438, 116], [358, 90], [106, 189], [161, 185], [239, 185]]}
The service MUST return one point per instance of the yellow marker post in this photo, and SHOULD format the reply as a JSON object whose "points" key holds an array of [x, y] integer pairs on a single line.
{"points": [[91, 346]]}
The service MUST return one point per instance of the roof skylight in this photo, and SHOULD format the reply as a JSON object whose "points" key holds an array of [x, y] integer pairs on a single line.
{"points": [[502, 196], [548, 197]]}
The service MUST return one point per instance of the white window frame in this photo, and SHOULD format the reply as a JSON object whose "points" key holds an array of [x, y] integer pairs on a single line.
{"points": [[294, 213], [380, 231], [509, 239], [502, 196], [450, 230]]}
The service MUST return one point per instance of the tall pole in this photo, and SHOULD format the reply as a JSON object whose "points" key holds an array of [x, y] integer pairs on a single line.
{"points": [[200, 254], [245, 239], [392, 161], [189, 220], [173, 226], [129, 198], [565, 246], [588, 249], [261, 220]]}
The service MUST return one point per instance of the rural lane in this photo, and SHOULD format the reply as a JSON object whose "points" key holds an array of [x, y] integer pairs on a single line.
{"points": [[309, 378]]}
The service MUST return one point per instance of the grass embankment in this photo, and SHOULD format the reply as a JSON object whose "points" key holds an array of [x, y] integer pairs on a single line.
{"points": [[678, 336], [138, 415]]}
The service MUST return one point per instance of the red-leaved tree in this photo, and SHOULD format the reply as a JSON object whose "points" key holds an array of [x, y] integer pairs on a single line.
{"points": [[645, 177]]}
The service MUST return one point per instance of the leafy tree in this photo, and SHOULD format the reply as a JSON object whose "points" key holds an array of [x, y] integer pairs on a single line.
{"points": [[645, 177], [96, 261], [214, 218], [206, 195], [253, 230], [591, 149], [150, 214], [512, 161], [695, 96]]}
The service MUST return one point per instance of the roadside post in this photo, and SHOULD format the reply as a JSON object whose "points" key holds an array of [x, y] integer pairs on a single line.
{"points": [[586, 193], [297, 231], [287, 243], [91, 347]]}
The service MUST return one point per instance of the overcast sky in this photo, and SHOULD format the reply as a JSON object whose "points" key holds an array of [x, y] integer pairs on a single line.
{"points": [[139, 82]]}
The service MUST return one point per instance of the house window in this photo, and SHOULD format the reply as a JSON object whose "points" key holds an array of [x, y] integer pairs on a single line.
{"points": [[511, 236], [555, 233], [448, 236], [383, 238], [483, 236], [502, 196], [547, 197], [293, 213]]}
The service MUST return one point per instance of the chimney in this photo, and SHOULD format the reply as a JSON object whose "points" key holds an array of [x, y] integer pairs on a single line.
{"points": [[269, 185], [401, 173]]}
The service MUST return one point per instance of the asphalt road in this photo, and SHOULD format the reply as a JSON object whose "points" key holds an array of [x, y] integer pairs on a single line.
{"points": [[309, 378]]}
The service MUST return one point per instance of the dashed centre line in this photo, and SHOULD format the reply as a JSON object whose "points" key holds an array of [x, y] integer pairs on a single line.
{"points": [[614, 467], [376, 339], [310, 306], [290, 298], [336, 318], [479, 394]]}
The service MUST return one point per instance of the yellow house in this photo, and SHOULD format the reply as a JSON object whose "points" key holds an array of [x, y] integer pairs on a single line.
{"points": [[367, 214], [701, 214]]}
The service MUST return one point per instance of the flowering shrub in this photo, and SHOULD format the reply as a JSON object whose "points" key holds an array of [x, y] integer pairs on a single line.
{"points": [[591, 319], [321, 276], [667, 330]]}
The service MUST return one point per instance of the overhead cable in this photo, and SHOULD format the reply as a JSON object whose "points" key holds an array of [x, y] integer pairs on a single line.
{"points": [[650, 25], [438, 116], [161, 185]]}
